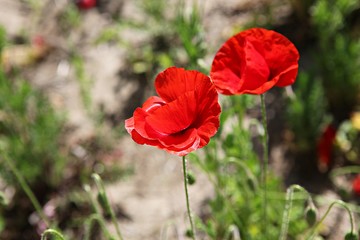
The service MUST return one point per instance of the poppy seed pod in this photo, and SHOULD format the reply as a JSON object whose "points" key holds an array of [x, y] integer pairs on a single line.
{"points": [[310, 215], [191, 178]]}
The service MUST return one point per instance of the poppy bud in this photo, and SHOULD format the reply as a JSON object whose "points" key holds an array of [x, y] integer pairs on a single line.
{"points": [[189, 233], [351, 236], [191, 178], [310, 215]]}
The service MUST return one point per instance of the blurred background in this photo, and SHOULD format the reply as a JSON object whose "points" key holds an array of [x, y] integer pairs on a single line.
{"points": [[73, 70]]}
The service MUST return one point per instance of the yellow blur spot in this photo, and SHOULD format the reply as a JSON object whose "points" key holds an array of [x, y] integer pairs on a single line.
{"points": [[355, 120]]}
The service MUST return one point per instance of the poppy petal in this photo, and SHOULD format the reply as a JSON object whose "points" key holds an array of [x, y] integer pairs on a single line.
{"points": [[184, 151], [183, 118], [181, 140], [238, 67], [208, 108], [175, 116], [287, 77], [253, 61], [129, 125], [153, 103], [279, 52], [174, 82]]}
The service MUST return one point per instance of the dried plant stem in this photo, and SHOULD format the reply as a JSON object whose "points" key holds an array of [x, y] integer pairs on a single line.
{"points": [[265, 162], [27, 190], [193, 233]]}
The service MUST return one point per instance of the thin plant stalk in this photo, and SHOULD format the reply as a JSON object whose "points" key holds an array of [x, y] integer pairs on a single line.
{"points": [[94, 217], [286, 215], [234, 232], [27, 190], [288, 206], [102, 192], [265, 162], [88, 226], [193, 233], [51, 232], [342, 204]]}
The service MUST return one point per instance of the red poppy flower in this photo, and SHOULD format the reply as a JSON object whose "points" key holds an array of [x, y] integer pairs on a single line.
{"points": [[86, 4], [356, 185], [183, 117], [253, 61], [325, 145]]}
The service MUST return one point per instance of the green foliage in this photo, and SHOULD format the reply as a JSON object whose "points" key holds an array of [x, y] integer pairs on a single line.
{"points": [[329, 16], [29, 132], [154, 8], [338, 57], [328, 90], [2, 38], [307, 111], [70, 18], [174, 40], [234, 169], [84, 81], [190, 31]]}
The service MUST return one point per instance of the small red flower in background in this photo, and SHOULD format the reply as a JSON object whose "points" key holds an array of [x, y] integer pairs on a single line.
{"points": [[253, 61], [86, 4], [183, 117], [356, 185], [325, 145]]}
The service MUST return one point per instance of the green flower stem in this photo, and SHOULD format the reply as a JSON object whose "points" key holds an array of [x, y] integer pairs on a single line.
{"points": [[94, 204], [52, 232], [265, 162], [94, 217], [88, 225], [233, 232], [288, 205], [101, 190], [27, 191], [342, 204], [193, 233], [345, 170], [248, 173]]}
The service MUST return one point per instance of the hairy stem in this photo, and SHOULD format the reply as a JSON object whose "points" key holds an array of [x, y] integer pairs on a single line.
{"points": [[288, 206], [342, 204], [265, 162], [27, 190], [52, 232], [107, 206], [193, 233]]}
